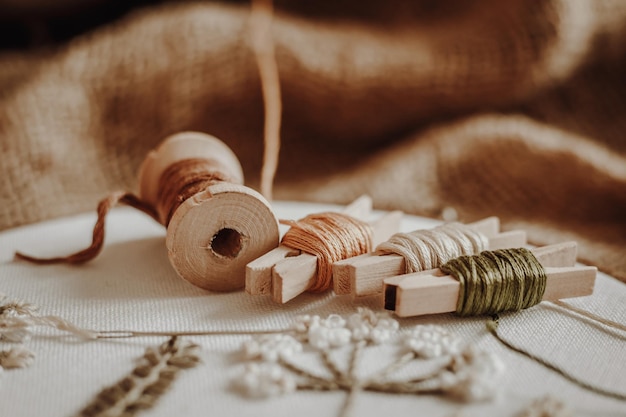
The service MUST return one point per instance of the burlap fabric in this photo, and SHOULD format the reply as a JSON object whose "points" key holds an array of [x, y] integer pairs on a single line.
{"points": [[511, 108]]}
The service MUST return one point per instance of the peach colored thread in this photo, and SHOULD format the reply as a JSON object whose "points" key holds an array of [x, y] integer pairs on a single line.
{"points": [[178, 182], [182, 180], [331, 237]]}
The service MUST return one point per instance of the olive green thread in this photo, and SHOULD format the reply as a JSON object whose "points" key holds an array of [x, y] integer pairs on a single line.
{"points": [[492, 327], [497, 281]]}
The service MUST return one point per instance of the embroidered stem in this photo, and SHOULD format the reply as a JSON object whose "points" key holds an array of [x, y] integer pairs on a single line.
{"points": [[332, 366], [355, 385], [393, 367], [401, 388], [314, 379]]}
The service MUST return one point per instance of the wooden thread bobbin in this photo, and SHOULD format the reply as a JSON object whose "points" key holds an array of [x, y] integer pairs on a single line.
{"points": [[215, 233]]}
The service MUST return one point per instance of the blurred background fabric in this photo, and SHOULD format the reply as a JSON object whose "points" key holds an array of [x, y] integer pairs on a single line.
{"points": [[515, 109]]}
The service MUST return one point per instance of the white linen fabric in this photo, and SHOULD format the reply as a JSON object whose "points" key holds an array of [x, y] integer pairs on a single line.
{"points": [[131, 285]]}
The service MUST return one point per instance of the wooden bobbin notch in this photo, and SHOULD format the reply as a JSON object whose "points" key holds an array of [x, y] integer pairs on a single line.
{"points": [[215, 233], [286, 272], [363, 275], [433, 292]]}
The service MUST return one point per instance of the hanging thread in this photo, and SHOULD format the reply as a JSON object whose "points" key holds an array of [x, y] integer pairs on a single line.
{"points": [[263, 46], [428, 249], [497, 281], [330, 237]]}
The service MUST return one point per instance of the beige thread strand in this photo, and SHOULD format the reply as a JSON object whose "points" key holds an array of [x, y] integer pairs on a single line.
{"points": [[330, 237], [429, 249], [589, 315], [263, 45]]}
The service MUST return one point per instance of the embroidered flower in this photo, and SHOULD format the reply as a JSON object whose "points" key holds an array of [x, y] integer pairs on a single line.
{"points": [[18, 308], [14, 335], [17, 357], [272, 347], [13, 324], [329, 333], [546, 407], [466, 374], [302, 324], [429, 341], [372, 327], [267, 379], [473, 376]]}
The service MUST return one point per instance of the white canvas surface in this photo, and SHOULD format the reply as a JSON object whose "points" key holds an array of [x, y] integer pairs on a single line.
{"points": [[132, 286]]}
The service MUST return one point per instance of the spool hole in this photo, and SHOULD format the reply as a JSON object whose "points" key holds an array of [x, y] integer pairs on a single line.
{"points": [[227, 243]]}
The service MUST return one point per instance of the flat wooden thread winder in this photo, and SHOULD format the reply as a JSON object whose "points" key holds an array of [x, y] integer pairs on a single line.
{"points": [[363, 275], [286, 272], [215, 233], [433, 292]]}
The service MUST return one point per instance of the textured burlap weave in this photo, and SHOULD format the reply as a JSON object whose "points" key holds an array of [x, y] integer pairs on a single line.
{"points": [[511, 108]]}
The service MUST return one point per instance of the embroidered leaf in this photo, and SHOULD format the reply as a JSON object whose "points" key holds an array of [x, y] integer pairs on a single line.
{"points": [[147, 382]]}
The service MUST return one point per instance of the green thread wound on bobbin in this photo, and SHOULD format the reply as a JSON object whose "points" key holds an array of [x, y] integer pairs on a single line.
{"points": [[496, 281]]}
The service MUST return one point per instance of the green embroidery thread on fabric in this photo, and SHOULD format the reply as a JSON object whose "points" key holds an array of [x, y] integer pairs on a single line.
{"points": [[492, 327]]}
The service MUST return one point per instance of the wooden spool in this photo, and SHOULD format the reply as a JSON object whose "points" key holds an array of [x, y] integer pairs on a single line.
{"points": [[215, 233]]}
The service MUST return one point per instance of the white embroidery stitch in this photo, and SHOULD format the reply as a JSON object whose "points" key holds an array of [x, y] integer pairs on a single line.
{"points": [[262, 380], [430, 341], [473, 375], [272, 347], [276, 363], [373, 327]]}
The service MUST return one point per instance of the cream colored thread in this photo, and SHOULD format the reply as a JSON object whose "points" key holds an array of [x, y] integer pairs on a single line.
{"points": [[429, 249], [330, 237], [591, 316]]}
